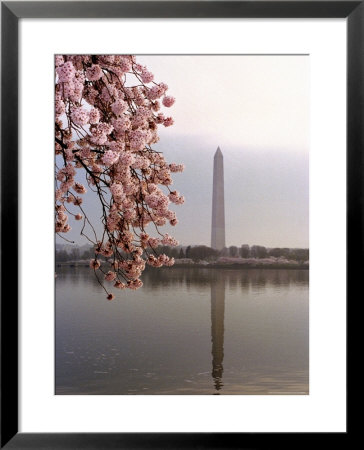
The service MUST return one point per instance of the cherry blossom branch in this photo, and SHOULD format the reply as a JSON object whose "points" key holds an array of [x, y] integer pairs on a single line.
{"points": [[106, 128]]}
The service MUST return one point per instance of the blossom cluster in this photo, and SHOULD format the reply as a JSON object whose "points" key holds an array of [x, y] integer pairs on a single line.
{"points": [[107, 114]]}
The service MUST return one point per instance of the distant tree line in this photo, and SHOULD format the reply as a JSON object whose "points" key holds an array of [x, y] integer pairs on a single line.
{"points": [[246, 251], [76, 254], [201, 252]]}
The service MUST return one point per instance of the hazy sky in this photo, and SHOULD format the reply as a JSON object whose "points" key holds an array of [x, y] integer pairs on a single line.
{"points": [[256, 108]]}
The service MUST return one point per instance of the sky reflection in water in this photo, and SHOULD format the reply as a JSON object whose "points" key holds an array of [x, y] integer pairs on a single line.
{"points": [[187, 331]]}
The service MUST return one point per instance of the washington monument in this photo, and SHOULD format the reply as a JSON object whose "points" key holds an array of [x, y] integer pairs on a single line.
{"points": [[218, 208]]}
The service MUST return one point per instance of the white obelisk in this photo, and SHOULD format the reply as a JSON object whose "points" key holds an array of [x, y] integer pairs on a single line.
{"points": [[218, 207]]}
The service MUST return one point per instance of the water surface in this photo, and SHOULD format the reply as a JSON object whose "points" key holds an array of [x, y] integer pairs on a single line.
{"points": [[186, 331]]}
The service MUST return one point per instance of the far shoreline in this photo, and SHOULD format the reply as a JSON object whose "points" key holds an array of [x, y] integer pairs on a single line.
{"points": [[236, 266]]}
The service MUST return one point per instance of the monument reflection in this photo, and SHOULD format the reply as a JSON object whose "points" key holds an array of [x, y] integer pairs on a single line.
{"points": [[217, 330]]}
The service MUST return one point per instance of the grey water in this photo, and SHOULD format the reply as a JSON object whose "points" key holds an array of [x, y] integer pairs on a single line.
{"points": [[186, 331]]}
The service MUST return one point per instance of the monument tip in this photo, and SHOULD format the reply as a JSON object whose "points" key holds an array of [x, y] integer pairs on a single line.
{"points": [[218, 152]]}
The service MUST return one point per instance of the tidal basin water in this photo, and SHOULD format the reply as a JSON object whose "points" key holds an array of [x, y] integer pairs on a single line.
{"points": [[186, 331]]}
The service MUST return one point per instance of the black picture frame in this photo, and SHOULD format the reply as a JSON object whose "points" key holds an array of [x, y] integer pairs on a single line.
{"points": [[11, 12]]}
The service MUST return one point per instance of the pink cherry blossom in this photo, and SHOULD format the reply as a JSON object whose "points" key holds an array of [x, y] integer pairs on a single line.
{"points": [[147, 77], [94, 72], [168, 101], [168, 122], [110, 276], [65, 72], [95, 264], [119, 106], [110, 158], [80, 116], [94, 116]]}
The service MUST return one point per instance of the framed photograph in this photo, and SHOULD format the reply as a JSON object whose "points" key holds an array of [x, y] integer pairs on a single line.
{"points": [[176, 274]]}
